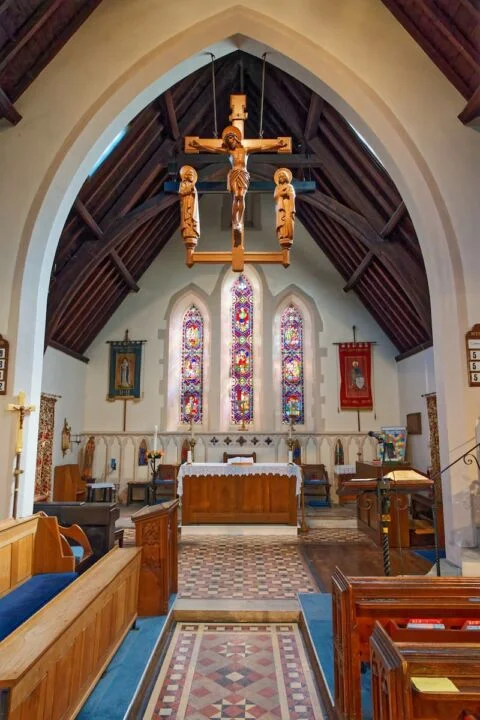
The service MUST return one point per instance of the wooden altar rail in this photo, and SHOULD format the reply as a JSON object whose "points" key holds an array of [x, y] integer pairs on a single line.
{"points": [[51, 663], [394, 664], [360, 602]]}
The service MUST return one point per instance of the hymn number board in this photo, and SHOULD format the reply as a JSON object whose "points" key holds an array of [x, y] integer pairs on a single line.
{"points": [[3, 365], [473, 356]]}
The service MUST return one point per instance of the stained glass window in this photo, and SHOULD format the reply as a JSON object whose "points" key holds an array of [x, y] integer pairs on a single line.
{"points": [[242, 352], [291, 330], [191, 409]]}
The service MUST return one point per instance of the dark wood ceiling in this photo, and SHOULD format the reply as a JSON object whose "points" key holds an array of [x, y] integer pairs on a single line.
{"points": [[122, 219], [32, 32]]}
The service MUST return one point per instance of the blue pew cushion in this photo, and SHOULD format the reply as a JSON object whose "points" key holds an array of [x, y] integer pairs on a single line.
{"points": [[21, 603], [315, 481]]}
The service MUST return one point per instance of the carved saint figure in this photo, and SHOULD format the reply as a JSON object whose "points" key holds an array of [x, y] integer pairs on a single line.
{"points": [[284, 196], [88, 457], [189, 215], [238, 178]]}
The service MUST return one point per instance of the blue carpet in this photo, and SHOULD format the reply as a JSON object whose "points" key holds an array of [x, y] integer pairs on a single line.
{"points": [[430, 555], [317, 611], [116, 688]]}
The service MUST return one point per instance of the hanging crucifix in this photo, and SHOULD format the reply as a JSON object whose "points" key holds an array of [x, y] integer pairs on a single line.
{"points": [[237, 148]]}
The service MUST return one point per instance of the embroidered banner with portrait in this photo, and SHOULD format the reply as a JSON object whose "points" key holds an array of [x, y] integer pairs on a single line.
{"points": [[125, 370], [355, 362]]}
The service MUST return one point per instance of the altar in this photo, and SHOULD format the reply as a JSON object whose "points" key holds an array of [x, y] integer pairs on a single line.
{"points": [[218, 493]]}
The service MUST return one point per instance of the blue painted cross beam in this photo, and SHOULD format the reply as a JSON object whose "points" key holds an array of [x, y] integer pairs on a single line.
{"points": [[234, 146]]}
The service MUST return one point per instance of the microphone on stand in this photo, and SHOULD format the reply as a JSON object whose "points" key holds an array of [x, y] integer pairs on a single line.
{"points": [[378, 436]]}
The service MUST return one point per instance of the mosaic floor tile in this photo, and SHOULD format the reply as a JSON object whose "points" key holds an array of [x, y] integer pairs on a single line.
{"points": [[236, 567], [247, 672]]}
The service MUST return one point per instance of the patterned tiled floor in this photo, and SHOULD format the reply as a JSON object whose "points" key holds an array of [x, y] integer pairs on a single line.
{"points": [[231, 567], [239, 567], [247, 672]]}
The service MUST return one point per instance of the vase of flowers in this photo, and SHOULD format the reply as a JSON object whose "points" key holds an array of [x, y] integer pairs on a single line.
{"points": [[154, 456]]}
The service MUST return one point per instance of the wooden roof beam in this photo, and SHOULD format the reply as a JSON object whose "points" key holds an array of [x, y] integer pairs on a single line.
{"points": [[315, 111], [171, 115], [391, 224], [28, 30], [8, 110], [436, 57], [62, 348], [123, 270], [100, 235], [446, 26], [470, 114]]}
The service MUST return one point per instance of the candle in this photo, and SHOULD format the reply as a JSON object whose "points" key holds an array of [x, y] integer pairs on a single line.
{"points": [[155, 439], [189, 457], [290, 456]]}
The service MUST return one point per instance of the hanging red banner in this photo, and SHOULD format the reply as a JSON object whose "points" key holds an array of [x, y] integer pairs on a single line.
{"points": [[355, 360]]}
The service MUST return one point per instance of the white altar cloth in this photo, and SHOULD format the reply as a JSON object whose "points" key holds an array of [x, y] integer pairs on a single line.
{"points": [[289, 469]]}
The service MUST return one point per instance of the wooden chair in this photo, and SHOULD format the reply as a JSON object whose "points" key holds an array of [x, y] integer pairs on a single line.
{"points": [[316, 484], [165, 481], [228, 456]]}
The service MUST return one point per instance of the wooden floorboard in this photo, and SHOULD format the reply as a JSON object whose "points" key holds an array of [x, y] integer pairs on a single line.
{"points": [[358, 560]]}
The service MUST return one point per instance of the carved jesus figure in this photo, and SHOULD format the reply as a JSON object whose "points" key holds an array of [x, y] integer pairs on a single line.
{"points": [[238, 177], [285, 207]]}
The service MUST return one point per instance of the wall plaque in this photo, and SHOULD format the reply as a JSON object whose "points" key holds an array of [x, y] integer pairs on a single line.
{"points": [[4, 345], [473, 355]]}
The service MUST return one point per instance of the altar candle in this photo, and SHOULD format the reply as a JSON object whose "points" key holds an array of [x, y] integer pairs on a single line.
{"points": [[189, 457], [155, 439], [290, 456]]}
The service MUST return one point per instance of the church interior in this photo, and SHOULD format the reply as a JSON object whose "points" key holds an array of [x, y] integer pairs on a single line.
{"points": [[238, 360]]}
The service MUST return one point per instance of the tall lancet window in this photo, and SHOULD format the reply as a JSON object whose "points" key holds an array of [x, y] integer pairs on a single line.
{"points": [[291, 330], [242, 352], [191, 394]]}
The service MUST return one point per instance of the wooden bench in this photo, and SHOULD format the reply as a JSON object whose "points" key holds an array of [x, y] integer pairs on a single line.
{"points": [[97, 520], [398, 669], [360, 602], [50, 663]]}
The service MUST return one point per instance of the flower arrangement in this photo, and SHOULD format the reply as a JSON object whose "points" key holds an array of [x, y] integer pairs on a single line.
{"points": [[155, 454]]}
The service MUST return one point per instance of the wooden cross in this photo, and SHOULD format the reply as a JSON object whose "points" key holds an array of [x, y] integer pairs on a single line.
{"points": [[23, 411], [238, 148]]}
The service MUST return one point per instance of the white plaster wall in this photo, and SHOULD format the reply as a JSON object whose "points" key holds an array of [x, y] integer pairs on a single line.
{"points": [[416, 377], [311, 274], [65, 376]]}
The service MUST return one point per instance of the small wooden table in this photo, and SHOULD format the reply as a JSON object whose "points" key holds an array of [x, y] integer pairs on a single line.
{"points": [[143, 485], [107, 489]]}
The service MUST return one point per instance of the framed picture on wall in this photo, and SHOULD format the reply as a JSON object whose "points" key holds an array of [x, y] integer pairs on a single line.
{"points": [[394, 444], [414, 423]]}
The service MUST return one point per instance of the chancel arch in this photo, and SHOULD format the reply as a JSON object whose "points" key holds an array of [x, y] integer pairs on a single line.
{"points": [[433, 176]]}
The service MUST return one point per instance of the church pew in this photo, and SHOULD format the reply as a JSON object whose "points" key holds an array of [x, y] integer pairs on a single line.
{"points": [[358, 603], [50, 664], [397, 697]]}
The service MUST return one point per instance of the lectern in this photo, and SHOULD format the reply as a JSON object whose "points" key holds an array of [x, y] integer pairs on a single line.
{"points": [[156, 533]]}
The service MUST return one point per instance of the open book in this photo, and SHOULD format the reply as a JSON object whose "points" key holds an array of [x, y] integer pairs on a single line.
{"points": [[240, 461]]}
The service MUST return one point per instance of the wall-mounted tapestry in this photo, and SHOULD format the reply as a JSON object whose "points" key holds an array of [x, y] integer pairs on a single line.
{"points": [[125, 369]]}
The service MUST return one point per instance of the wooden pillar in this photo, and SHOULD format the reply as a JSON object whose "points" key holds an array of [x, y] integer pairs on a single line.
{"points": [[156, 532]]}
